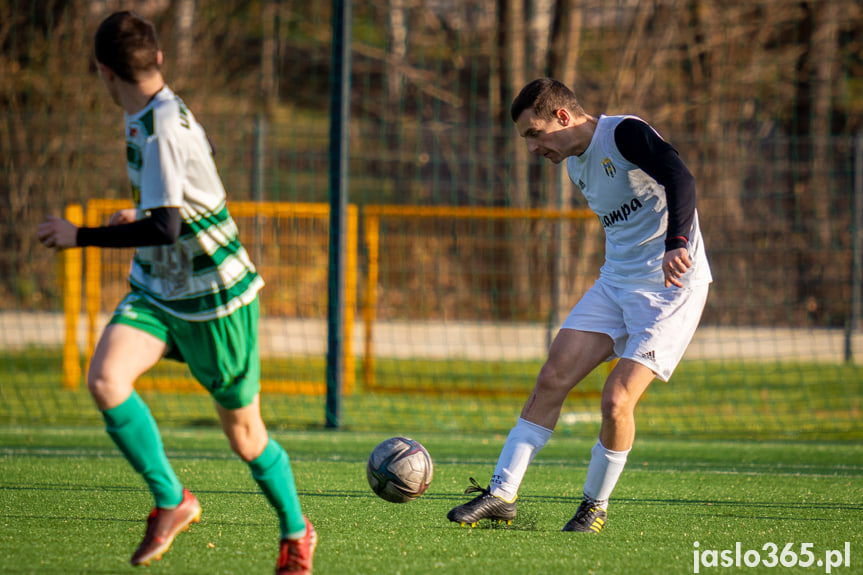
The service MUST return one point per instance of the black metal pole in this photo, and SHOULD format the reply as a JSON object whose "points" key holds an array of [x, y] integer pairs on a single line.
{"points": [[339, 116]]}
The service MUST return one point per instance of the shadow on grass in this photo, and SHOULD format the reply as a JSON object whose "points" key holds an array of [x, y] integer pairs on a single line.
{"points": [[799, 511]]}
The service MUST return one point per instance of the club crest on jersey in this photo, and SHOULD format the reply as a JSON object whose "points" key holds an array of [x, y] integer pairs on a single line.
{"points": [[610, 170], [136, 131], [133, 156]]}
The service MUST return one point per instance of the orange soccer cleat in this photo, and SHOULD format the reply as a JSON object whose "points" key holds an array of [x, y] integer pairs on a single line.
{"points": [[295, 555], [163, 525]]}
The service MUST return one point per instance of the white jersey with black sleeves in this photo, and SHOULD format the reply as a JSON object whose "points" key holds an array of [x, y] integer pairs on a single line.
{"points": [[633, 211]]}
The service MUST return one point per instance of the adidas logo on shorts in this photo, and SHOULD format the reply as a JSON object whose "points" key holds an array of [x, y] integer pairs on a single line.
{"points": [[651, 355]]}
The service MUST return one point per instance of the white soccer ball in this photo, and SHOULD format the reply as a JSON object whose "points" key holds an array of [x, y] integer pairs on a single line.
{"points": [[399, 470]]}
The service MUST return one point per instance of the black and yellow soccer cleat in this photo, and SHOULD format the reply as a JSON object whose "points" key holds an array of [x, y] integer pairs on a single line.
{"points": [[485, 506], [588, 519]]}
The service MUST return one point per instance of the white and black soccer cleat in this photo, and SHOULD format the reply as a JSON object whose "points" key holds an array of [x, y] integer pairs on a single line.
{"points": [[484, 506]]}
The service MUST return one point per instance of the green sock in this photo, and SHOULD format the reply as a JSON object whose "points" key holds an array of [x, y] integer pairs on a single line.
{"points": [[272, 471], [133, 429]]}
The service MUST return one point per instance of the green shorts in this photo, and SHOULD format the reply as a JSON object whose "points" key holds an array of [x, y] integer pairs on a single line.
{"points": [[222, 353]]}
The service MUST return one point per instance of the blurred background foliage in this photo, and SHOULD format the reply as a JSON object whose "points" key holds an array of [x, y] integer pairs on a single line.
{"points": [[763, 99]]}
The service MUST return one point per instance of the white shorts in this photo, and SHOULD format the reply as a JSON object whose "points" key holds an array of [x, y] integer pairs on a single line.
{"points": [[651, 327]]}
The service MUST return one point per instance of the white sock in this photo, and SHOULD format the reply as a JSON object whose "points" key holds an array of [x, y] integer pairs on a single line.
{"points": [[524, 441], [602, 473]]}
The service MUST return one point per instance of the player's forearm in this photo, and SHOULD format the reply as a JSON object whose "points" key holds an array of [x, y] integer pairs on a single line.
{"points": [[669, 170], [643, 146], [162, 227], [680, 195]]}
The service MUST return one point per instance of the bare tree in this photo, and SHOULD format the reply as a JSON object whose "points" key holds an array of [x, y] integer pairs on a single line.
{"points": [[541, 25], [185, 25], [397, 30], [824, 53], [715, 45], [269, 80], [572, 271], [518, 185]]}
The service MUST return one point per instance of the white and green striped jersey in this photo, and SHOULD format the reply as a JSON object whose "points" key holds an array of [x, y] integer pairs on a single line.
{"points": [[207, 273]]}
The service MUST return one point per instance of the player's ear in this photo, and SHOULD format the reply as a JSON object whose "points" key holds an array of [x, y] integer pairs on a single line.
{"points": [[564, 118], [159, 58], [104, 71]]}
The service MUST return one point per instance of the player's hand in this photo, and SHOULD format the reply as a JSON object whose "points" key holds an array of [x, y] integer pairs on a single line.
{"points": [[58, 233], [126, 216], [675, 263]]}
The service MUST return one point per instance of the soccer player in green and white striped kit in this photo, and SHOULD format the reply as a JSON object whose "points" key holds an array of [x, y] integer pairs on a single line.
{"points": [[193, 297]]}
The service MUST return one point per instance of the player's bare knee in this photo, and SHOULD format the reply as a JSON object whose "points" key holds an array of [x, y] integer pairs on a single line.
{"points": [[242, 451], [244, 442], [617, 406], [98, 384], [239, 446], [551, 382]]}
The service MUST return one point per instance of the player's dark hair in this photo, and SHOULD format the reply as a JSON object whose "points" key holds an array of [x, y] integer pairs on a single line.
{"points": [[127, 44], [545, 96]]}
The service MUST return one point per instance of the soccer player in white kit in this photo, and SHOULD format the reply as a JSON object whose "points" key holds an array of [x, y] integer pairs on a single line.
{"points": [[643, 309]]}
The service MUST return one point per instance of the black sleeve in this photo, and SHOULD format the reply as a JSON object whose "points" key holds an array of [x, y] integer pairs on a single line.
{"points": [[162, 227], [642, 146]]}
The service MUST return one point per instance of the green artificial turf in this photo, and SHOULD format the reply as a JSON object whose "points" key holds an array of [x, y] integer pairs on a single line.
{"points": [[704, 399], [71, 504]]}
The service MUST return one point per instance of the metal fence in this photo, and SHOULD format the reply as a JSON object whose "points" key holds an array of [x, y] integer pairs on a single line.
{"points": [[763, 100]]}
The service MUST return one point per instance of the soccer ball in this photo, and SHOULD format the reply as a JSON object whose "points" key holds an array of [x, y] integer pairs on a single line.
{"points": [[399, 469]]}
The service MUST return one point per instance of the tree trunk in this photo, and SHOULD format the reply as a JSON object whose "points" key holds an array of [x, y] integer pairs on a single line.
{"points": [[398, 49], [269, 81], [185, 23], [541, 27], [571, 274], [719, 70], [518, 190], [823, 53]]}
